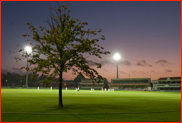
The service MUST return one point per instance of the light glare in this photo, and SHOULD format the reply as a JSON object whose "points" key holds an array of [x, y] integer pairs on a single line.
{"points": [[28, 49], [117, 56]]}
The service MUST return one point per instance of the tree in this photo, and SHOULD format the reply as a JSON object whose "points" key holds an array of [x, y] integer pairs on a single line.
{"points": [[8, 78], [3, 79], [106, 83], [16, 78], [42, 77], [64, 45]]}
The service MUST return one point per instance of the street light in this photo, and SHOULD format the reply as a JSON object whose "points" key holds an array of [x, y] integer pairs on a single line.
{"points": [[117, 57], [28, 49]]}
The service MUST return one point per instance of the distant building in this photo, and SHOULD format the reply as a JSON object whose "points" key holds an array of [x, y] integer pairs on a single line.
{"points": [[88, 83], [130, 84], [167, 83], [68, 84], [65, 83]]}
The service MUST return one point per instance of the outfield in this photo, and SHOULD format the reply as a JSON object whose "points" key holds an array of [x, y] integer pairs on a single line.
{"points": [[30, 105]]}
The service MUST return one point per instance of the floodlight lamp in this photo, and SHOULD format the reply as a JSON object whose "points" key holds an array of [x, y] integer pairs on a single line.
{"points": [[28, 49], [117, 56]]}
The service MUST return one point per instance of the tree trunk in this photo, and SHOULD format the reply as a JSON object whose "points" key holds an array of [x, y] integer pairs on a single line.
{"points": [[60, 90]]}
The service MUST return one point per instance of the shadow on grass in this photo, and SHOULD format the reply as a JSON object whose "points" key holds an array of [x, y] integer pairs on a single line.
{"points": [[91, 108]]}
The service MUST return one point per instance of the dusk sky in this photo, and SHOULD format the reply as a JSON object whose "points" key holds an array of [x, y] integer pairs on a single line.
{"points": [[146, 34]]}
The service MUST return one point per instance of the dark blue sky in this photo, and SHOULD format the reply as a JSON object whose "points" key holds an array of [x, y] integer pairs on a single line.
{"points": [[149, 31]]}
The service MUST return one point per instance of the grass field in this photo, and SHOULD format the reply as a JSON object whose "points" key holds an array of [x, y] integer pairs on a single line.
{"points": [[30, 105]]}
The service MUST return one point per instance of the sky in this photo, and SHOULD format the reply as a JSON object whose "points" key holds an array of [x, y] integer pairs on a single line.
{"points": [[147, 35]]}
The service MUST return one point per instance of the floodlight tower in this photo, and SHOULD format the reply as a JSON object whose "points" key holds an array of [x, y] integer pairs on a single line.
{"points": [[117, 58], [28, 49]]}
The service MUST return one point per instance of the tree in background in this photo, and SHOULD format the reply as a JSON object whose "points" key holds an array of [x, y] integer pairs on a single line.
{"points": [[106, 83], [42, 77], [64, 45], [8, 78], [15, 79]]}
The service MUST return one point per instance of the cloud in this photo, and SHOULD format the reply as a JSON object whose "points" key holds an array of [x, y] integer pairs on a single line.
{"points": [[113, 63], [104, 69], [121, 62], [143, 63], [4, 71], [17, 70], [126, 63], [107, 62], [96, 60], [167, 71], [135, 73], [122, 72], [163, 62], [103, 62], [152, 71], [91, 63], [13, 70]]}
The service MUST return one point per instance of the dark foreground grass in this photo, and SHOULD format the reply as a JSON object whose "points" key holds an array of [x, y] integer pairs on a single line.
{"points": [[30, 105]]}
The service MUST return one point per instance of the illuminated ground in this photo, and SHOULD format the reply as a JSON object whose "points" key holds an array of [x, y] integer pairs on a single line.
{"points": [[30, 105]]}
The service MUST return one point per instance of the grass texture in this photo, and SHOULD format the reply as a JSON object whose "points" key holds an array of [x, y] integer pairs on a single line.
{"points": [[31, 105]]}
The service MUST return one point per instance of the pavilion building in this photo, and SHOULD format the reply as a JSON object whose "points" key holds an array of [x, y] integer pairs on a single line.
{"points": [[130, 84], [89, 83], [167, 83]]}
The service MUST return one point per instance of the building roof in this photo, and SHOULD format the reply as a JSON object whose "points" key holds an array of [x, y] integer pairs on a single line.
{"points": [[171, 78], [131, 79], [64, 81], [86, 79]]}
